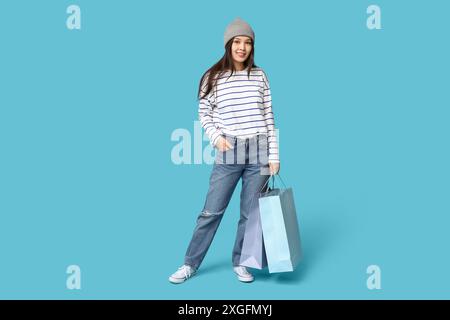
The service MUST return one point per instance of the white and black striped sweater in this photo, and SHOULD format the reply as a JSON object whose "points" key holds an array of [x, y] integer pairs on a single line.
{"points": [[239, 106]]}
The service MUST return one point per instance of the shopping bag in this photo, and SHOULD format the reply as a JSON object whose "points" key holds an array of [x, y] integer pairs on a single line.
{"points": [[280, 229], [253, 254]]}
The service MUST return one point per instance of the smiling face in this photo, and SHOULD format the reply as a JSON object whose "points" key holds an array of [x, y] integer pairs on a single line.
{"points": [[240, 49]]}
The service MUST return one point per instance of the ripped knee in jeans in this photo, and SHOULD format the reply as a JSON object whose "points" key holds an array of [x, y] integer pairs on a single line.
{"points": [[207, 213]]}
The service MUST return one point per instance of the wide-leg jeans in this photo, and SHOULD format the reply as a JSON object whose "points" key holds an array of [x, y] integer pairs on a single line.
{"points": [[247, 160]]}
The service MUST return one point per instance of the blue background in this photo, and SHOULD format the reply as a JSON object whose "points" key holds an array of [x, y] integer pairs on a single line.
{"points": [[86, 175]]}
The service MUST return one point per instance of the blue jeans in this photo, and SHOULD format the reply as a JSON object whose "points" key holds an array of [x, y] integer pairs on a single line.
{"points": [[228, 168]]}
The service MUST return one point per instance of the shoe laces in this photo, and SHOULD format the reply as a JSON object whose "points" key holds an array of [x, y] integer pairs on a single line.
{"points": [[242, 270], [187, 270]]}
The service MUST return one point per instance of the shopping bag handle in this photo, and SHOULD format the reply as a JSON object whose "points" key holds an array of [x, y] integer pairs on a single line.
{"points": [[273, 182]]}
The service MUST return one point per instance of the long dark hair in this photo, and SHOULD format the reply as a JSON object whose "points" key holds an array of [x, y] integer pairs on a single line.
{"points": [[224, 64]]}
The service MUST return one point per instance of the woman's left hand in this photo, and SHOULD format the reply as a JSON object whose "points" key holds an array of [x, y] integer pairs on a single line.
{"points": [[274, 168]]}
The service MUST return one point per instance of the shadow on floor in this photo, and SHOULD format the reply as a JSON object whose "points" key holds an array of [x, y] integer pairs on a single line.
{"points": [[317, 237], [318, 234]]}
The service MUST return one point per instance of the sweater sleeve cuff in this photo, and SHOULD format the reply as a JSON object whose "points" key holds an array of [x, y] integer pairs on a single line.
{"points": [[215, 137]]}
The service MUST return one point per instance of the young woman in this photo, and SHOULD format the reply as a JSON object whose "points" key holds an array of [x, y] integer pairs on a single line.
{"points": [[235, 111]]}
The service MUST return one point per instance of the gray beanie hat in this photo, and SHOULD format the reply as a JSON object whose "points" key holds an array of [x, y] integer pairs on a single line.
{"points": [[238, 28]]}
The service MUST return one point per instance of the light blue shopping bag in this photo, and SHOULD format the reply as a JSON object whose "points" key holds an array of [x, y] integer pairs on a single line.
{"points": [[280, 229]]}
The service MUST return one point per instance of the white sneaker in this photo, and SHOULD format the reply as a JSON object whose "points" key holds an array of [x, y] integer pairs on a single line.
{"points": [[242, 274], [182, 274]]}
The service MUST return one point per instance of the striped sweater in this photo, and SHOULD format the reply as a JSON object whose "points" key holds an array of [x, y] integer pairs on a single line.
{"points": [[239, 106]]}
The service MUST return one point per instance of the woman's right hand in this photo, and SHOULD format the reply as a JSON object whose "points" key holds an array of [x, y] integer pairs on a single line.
{"points": [[223, 144]]}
